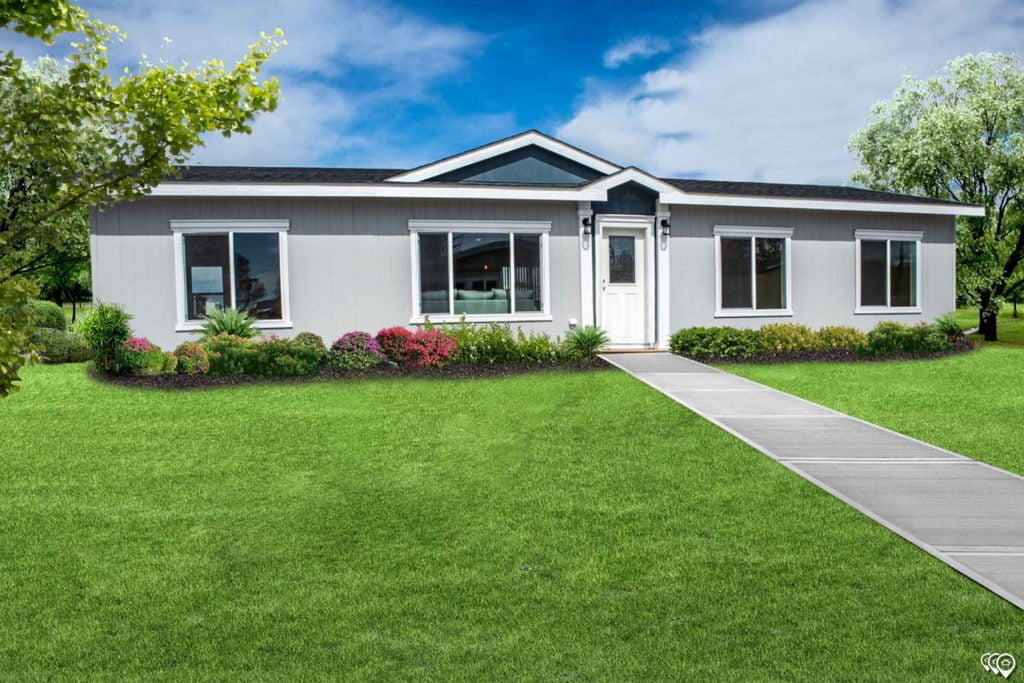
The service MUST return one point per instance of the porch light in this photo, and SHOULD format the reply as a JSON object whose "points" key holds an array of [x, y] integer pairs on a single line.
{"points": [[666, 227], [586, 225]]}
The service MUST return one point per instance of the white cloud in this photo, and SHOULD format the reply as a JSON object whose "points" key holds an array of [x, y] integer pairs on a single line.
{"points": [[634, 48], [343, 57], [778, 98]]}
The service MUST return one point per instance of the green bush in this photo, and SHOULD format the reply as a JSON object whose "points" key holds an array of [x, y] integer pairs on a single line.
{"points": [[314, 342], [49, 315], [892, 337], [537, 348], [584, 342], [498, 344], [715, 342], [229, 321], [139, 356], [841, 337], [105, 329], [277, 357], [229, 355], [192, 359], [788, 338], [60, 347], [170, 365], [949, 326]]}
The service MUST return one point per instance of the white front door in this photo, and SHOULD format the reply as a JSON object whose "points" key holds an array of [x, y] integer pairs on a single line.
{"points": [[623, 302]]}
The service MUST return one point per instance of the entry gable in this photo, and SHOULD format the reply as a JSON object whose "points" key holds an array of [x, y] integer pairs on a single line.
{"points": [[527, 158]]}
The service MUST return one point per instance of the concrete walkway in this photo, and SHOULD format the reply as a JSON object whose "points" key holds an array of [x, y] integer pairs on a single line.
{"points": [[968, 514]]}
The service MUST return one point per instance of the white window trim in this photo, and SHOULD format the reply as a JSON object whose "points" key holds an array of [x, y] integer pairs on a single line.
{"points": [[753, 232], [179, 228], [541, 228], [888, 236]]}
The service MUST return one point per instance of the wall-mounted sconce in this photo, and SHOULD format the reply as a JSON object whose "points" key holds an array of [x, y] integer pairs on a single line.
{"points": [[666, 227], [587, 224]]}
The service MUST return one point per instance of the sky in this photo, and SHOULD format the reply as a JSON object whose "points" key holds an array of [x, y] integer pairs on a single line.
{"points": [[733, 90]]}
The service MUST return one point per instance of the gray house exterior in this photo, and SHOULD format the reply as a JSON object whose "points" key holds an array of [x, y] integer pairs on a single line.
{"points": [[527, 231]]}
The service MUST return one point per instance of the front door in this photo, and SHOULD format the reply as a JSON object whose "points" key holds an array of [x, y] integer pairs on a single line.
{"points": [[623, 305]]}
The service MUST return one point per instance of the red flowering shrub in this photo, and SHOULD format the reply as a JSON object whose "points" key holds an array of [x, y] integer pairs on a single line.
{"points": [[139, 356], [192, 359], [392, 341], [429, 349]]}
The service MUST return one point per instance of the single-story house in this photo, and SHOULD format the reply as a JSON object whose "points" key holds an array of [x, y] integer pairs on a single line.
{"points": [[529, 231]]}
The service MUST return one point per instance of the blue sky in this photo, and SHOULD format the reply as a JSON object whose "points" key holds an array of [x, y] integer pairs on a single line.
{"points": [[741, 90]]}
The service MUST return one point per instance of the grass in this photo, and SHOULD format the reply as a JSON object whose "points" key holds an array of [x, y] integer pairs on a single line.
{"points": [[969, 403], [550, 526], [1009, 329], [80, 309]]}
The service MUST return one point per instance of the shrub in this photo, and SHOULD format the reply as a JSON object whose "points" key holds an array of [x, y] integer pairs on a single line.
{"points": [[49, 315], [392, 341], [138, 356], [170, 365], [788, 338], [105, 329], [229, 321], [192, 359], [277, 357], [429, 349], [584, 342], [537, 348], [892, 337], [840, 337], [314, 342], [60, 347], [228, 354], [715, 342], [483, 344], [356, 350], [948, 325]]}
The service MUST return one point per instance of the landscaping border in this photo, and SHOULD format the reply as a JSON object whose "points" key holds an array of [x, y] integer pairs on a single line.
{"points": [[452, 372], [832, 356]]}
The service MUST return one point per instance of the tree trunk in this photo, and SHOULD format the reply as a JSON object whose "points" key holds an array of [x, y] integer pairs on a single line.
{"points": [[987, 323]]}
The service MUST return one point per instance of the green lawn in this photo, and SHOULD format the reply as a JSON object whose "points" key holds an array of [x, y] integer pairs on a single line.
{"points": [[970, 403], [551, 526]]}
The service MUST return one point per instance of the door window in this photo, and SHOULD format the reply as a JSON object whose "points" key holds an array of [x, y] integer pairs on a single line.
{"points": [[621, 259]]}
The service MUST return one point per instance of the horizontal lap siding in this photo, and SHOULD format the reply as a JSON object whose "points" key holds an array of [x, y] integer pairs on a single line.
{"points": [[348, 259], [823, 260]]}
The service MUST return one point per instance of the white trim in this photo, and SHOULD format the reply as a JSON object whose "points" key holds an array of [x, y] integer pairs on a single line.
{"points": [[754, 232], [223, 224], [609, 221], [668, 194], [586, 249], [180, 228], [887, 236], [663, 288], [450, 227], [500, 147], [431, 225], [592, 192]]}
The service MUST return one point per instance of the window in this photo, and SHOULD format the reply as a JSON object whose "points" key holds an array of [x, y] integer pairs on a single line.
{"points": [[479, 269], [231, 264], [622, 259], [888, 273], [752, 271]]}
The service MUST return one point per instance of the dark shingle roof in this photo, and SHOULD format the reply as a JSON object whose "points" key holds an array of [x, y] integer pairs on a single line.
{"points": [[273, 174], [791, 191]]}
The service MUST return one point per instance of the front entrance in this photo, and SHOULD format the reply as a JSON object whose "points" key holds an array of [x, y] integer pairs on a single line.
{"points": [[623, 268]]}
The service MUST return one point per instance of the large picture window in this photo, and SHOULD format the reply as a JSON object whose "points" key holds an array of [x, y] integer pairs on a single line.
{"points": [[888, 271], [481, 270], [228, 264], [752, 271]]}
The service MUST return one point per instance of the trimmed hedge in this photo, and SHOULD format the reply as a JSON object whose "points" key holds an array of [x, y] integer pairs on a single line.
{"points": [[60, 347], [716, 342], [49, 315]]}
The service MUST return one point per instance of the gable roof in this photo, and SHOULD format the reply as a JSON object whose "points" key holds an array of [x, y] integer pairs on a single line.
{"points": [[280, 174]]}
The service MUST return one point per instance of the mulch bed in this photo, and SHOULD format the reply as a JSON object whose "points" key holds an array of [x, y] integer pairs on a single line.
{"points": [[461, 372], [833, 356]]}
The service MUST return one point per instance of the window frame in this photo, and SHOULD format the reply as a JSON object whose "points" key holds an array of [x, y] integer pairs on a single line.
{"points": [[753, 232], [887, 236], [449, 227], [180, 228]]}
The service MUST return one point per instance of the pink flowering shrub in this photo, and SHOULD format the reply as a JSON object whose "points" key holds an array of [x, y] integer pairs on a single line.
{"points": [[429, 349], [192, 359], [139, 356], [356, 350], [392, 341]]}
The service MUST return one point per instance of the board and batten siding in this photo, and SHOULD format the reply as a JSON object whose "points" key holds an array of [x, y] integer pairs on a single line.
{"points": [[823, 261], [348, 259]]}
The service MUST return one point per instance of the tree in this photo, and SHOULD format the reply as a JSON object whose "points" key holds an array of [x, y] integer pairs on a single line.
{"points": [[78, 139], [959, 136]]}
